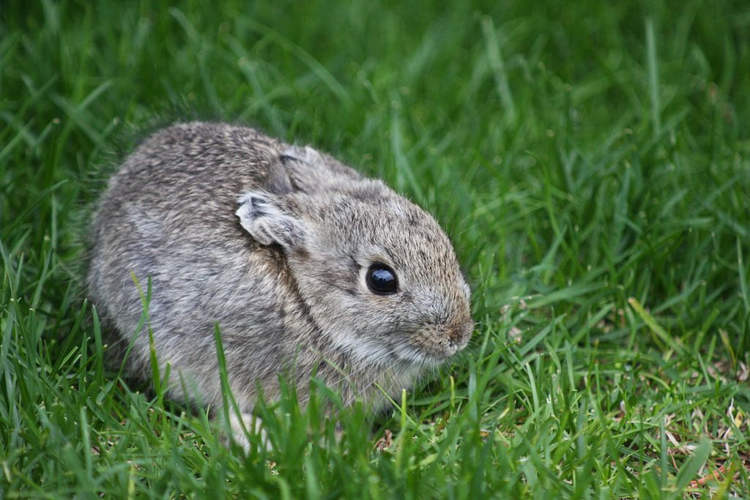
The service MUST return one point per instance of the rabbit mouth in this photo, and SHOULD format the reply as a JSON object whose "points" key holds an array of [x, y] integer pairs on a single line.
{"points": [[429, 356], [434, 345], [425, 349]]}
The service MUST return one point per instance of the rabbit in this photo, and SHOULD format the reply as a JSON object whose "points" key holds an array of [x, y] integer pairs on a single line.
{"points": [[306, 266]]}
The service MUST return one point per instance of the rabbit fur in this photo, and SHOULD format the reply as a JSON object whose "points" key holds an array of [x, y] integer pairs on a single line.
{"points": [[272, 243]]}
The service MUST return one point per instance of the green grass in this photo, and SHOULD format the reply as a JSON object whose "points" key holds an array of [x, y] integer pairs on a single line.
{"points": [[590, 160]]}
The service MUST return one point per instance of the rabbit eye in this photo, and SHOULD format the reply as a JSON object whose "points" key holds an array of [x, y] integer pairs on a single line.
{"points": [[381, 279]]}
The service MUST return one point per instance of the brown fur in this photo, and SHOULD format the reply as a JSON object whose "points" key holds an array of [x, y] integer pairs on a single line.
{"points": [[270, 242]]}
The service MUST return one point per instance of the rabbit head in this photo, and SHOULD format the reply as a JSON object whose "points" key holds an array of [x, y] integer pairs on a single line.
{"points": [[377, 273]]}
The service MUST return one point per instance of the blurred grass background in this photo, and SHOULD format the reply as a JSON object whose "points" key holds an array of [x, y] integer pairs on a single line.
{"points": [[590, 160]]}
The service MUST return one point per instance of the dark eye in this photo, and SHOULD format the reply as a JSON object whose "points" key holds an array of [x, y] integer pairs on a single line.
{"points": [[381, 279]]}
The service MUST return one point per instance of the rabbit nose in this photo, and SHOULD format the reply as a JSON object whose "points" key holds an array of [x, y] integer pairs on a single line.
{"points": [[459, 335]]}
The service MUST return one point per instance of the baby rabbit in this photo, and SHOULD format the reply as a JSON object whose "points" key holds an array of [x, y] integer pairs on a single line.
{"points": [[305, 265]]}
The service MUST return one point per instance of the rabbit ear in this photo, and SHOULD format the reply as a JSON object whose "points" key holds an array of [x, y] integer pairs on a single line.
{"points": [[306, 155], [267, 223], [306, 168]]}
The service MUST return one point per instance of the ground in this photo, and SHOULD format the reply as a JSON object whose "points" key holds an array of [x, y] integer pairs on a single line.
{"points": [[590, 160]]}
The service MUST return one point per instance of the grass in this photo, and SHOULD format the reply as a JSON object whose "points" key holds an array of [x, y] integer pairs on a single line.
{"points": [[591, 162]]}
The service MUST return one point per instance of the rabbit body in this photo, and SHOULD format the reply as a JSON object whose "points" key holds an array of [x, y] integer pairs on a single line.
{"points": [[274, 244]]}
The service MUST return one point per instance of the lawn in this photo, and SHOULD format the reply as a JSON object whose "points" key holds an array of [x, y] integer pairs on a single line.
{"points": [[590, 161]]}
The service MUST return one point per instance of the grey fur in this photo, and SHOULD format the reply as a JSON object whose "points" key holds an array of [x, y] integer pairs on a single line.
{"points": [[271, 242]]}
